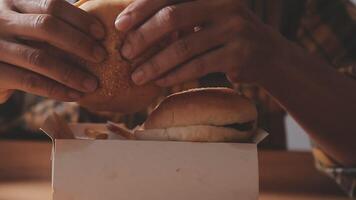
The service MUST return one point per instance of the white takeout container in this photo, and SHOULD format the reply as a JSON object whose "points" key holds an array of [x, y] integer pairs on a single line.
{"points": [[115, 169]]}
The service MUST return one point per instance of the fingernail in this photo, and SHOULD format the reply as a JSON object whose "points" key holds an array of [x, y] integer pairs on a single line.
{"points": [[97, 31], [127, 50], [90, 84], [138, 77], [99, 53], [122, 23], [74, 95]]}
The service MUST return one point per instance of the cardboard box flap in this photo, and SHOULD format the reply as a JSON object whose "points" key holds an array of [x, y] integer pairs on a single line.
{"points": [[259, 136], [56, 128]]}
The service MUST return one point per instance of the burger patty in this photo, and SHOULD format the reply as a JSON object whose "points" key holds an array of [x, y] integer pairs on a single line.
{"points": [[248, 126]]}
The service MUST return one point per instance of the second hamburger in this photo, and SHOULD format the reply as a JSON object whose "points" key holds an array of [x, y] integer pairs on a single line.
{"points": [[201, 115]]}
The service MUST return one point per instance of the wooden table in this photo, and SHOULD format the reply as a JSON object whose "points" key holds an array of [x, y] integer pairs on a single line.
{"points": [[25, 174]]}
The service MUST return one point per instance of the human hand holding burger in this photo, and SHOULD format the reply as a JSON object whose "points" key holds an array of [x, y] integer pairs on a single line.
{"points": [[28, 29], [230, 39]]}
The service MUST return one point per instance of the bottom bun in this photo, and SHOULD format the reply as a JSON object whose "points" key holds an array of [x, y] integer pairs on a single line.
{"points": [[197, 133]]}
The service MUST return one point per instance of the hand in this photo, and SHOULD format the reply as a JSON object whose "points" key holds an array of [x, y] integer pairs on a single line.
{"points": [[230, 39], [34, 34]]}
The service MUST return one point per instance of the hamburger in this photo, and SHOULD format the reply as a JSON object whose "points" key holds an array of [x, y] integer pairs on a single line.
{"points": [[199, 115], [116, 92]]}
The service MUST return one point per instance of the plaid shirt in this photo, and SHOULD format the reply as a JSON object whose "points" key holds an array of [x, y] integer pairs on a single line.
{"points": [[326, 28]]}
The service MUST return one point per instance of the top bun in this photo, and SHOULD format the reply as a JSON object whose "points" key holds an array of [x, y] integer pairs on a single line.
{"points": [[205, 106], [116, 92]]}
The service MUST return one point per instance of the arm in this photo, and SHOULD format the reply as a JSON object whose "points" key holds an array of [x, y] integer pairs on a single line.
{"points": [[234, 41], [321, 100]]}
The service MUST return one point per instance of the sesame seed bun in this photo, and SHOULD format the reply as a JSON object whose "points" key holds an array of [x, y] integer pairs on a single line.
{"points": [[116, 92]]}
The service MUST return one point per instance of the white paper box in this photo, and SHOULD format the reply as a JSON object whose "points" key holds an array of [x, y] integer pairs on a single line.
{"points": [[151, 170]]}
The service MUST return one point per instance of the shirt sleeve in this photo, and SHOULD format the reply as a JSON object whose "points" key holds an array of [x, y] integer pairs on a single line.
{"points": [[343, 176]]}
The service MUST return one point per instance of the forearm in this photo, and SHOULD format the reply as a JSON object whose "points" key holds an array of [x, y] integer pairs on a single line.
{"points": [[321, 100]]}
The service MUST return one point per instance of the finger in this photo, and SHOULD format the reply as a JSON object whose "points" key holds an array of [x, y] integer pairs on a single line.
{"points": [[165, 21], [229, 59], [180, 52], [164, 42], [137, 12], [53, 51], [199, 67], [42, 62], [140, 10], [20, 79], [57, 33], [65, 11], [5, 95]]}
